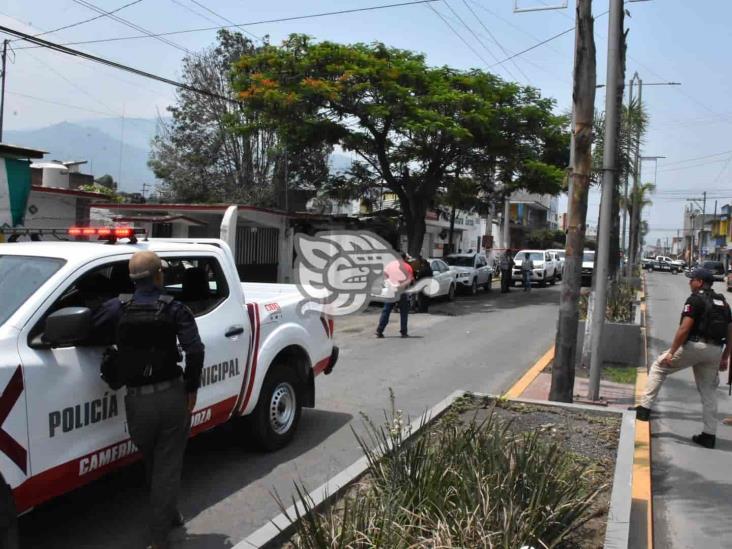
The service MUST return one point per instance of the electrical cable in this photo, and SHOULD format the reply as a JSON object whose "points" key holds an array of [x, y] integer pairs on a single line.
{"points": [[472, 32], [505, 52], [132, 25], [460, 36], [77, 53], [212, 12], [72, 25], [250, 24], [546, 41], [58, 103], [696, 158]]}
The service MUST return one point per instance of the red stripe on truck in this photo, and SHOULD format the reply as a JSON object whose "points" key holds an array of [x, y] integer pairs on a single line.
{"points": [[254, 317], [82, 470]]}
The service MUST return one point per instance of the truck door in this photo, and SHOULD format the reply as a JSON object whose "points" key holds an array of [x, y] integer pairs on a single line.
{"points": [[76, 424], [14, 458], [199, 281]]}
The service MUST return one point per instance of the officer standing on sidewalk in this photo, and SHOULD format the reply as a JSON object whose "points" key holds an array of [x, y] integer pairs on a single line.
{"points": [[702, 342], [160, 396], [506, 268]]}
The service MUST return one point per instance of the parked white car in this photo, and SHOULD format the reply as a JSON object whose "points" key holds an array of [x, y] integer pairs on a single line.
{"points": [[558, 256], [472, 271], [544, 271], [445, 277]]}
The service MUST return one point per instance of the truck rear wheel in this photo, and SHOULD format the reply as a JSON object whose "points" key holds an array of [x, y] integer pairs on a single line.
{"points": [[8, 519], [277, 414]]}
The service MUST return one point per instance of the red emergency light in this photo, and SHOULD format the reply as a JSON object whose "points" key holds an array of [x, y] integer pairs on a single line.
{"points": [[106, 233]]}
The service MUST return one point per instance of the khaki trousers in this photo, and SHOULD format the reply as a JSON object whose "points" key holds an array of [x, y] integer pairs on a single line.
{"points": [[704, 359]]}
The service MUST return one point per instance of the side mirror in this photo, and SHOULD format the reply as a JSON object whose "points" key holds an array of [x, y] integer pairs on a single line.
{"points": [[68, 327]]}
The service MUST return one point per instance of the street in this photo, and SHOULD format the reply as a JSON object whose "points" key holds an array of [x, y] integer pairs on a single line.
{"points": [[481, 343], [690, 483]]}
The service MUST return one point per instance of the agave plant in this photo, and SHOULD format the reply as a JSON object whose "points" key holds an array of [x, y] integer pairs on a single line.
{"points": [[457, 485]]}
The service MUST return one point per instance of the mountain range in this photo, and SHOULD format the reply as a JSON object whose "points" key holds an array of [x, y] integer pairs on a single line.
{"points": [[115, 146]]}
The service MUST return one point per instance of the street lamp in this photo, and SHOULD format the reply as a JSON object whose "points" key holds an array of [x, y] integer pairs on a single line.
{"points": [[636, 169]]}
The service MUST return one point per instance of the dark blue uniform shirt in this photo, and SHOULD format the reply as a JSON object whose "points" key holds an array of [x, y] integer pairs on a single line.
{"points": [[108, 315]]}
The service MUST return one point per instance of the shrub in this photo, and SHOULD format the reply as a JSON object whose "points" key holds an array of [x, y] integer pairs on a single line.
{"points": [[474, 485]]}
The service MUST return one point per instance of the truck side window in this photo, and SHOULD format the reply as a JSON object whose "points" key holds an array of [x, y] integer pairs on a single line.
{"points": [[199, 282]]}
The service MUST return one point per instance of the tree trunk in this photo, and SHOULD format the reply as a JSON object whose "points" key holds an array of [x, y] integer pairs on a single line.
{"points": [[416, 228], [583, 97]]}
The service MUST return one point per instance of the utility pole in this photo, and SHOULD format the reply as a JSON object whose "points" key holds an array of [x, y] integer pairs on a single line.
{"points": [[583, 99], [626, 248], [2, 86], [703, 237], [614, 44], [145, 187]]}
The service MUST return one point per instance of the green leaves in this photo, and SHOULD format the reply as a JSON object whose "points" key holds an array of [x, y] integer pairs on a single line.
{"points": [[412, 124]]}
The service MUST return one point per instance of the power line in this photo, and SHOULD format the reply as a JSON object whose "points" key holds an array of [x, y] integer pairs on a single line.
{"points": [[505, 52], [251, 24], [460, 36], [77, 53], [477, 38], [212, 12], [701, 164], [130, 24], [546, 41], [696, 158], [72, 25], [58, 103]]}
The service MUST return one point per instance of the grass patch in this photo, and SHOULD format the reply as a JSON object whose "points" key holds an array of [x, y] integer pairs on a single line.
{"points": [[475, 483], [620, 375]]}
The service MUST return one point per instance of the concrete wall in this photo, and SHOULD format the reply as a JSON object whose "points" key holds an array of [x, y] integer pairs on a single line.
{"points": [[621, 344], [50, 211]]}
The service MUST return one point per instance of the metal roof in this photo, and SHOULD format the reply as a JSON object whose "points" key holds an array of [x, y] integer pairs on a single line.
{"points": [[23, 152]]}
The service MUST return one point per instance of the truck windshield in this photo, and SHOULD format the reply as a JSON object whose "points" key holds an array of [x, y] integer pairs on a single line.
{"points": [[20, 277], [588, 257]]}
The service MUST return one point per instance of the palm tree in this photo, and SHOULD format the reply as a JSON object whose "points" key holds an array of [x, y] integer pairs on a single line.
{"points": [[638, 199]]}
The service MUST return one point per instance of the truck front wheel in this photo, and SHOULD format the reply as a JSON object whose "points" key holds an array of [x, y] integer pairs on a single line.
{"points": [[277, 414]]}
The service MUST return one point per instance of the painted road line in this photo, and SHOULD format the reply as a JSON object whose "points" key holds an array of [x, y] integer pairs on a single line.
{"points": [[522, 384], [642, 508]]}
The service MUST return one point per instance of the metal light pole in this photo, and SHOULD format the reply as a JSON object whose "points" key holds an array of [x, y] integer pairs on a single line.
{"points": [[2, 85], [615, 33]]}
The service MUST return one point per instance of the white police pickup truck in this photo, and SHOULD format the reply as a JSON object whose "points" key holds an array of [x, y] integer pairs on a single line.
{"points": [[61, 426]]}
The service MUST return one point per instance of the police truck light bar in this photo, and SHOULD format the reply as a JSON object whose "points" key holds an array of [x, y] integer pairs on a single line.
{"points": [[108, 234]]}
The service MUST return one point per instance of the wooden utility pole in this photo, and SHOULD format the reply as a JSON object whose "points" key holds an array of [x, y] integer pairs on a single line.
{"points": [[583, 101], [615, 243]]}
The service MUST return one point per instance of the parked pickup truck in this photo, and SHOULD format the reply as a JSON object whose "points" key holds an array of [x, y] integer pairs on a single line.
{"points": [[61, 426], [663, 263]]}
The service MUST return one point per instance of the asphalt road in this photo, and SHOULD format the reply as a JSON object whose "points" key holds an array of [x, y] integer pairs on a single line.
{"points": [[481, 343], [691, 484]]}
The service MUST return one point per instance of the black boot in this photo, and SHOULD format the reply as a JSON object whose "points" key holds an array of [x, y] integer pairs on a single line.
{"points": [[705, 439], [642, 413]]}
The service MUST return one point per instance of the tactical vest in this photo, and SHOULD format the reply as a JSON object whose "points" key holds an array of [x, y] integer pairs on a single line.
{"points": [[146, 338], [715, 320]]}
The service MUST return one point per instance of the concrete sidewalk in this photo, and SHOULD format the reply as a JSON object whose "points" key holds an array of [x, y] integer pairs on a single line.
{"points": [[692, 486]]}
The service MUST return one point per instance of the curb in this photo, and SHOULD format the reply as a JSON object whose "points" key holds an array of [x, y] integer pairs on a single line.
{"points": [[280, 529], [642, 508], [527, 379]]}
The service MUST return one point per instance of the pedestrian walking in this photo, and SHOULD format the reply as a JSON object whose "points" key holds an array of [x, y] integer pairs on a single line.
{"points": [[701, 342], [399, 275], [506, 267], [146, 327], [527, 267]]}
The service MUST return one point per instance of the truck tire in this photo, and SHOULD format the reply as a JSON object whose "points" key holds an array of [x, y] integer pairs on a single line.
{"points": [[451, 293], [553, 281], [8, 519], [487, 286], [542, 283], [474, 287], [275, 418]]}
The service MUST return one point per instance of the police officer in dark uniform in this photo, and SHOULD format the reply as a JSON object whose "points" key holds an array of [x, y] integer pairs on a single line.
{"points": [[702, 342], [146, 327]]}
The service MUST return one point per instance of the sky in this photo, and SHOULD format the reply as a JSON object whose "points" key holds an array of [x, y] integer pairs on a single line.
{"points": [[682, 41]]}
